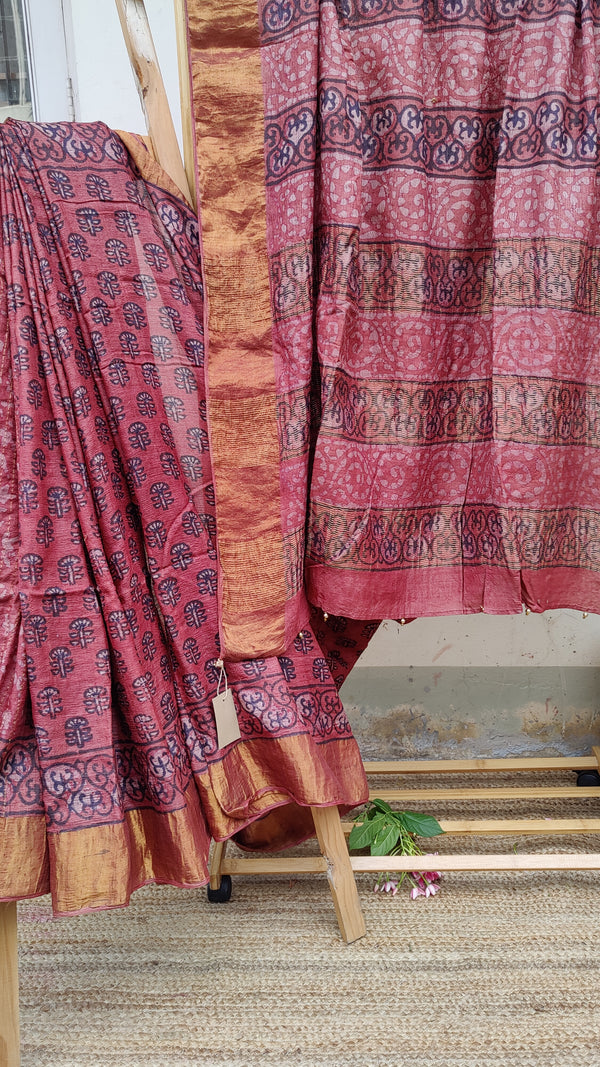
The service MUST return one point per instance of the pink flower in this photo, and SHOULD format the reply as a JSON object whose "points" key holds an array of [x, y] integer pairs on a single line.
{"points": [[418, 878]]}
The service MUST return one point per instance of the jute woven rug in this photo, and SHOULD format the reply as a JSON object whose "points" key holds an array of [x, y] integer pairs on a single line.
{"points": [[500, 970]]}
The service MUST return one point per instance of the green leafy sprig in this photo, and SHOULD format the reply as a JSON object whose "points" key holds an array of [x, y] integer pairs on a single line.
{"points": [[393, 833]]}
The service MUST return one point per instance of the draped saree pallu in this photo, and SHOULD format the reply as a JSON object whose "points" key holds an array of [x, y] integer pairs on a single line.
{"points": [[110, 774], [424, 200]]}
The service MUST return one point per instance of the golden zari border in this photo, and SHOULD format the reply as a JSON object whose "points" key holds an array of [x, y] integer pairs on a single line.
{"points": [[24, 863], [228, 113], [98, 867], [240, 791]]}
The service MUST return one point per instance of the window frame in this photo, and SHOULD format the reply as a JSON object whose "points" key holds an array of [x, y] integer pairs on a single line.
{"points": [[51, 86]]}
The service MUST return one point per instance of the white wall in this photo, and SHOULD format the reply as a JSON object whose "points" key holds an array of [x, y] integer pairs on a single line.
{"points": [[556, 638]]}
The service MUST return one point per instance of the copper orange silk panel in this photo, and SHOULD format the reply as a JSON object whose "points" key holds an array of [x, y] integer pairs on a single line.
{"points": [[111, 774], [261, 591]]}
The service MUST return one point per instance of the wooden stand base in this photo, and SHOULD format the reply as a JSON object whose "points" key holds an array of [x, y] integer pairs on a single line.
{"points": [[340, 867]]}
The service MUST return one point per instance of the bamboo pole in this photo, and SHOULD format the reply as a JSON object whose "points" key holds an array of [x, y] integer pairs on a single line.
{"points": [[273, 865], [510, 827], [216, 864], [152, 93], [410, 796]]}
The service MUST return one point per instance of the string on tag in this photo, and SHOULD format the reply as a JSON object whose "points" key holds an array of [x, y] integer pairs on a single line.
{"points": [[226, 720], [222, 676]]}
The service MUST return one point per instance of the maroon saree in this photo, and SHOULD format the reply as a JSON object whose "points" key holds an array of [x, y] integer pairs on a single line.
{"points": [[110, 770]]}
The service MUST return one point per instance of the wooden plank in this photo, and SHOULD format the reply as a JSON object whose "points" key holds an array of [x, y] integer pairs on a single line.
{"points": [[561, 861], [512, 826], [464, 766], [152, 93], [411, 796], [520, 826], [339, 873], [185, 92], [9, 987], [253, 865], [596, 754], [274, 865]]}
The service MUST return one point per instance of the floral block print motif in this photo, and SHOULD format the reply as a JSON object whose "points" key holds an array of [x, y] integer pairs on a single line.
{"points": [[110, 771]]}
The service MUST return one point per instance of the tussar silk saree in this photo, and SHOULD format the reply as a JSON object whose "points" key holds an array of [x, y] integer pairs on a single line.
{"points": [[401, 229], [111, 774]]}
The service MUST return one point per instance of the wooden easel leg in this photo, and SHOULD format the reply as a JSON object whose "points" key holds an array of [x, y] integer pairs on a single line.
{"points": [[216, 859], [339, 872], [9, 987], [152, 93], [187, 119]]}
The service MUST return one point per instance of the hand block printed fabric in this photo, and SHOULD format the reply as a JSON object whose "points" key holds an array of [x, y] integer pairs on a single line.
{"points": [[417, 215], [110, 773]]}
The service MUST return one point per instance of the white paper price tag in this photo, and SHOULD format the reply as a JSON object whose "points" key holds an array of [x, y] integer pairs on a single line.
{"points": [[226, 719]]}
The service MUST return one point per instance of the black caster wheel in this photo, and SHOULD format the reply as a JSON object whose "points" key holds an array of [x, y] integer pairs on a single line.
{"points": [[588, 779], [222, 894]]}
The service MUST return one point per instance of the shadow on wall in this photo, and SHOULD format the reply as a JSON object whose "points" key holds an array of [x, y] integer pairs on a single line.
{"points": [[463, 712]]}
